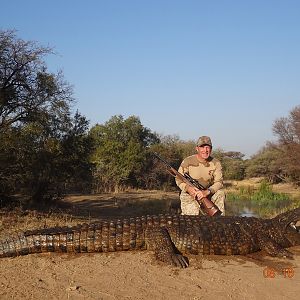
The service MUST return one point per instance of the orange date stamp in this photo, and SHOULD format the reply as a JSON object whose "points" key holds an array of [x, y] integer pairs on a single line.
{"points": [[269, 272]]}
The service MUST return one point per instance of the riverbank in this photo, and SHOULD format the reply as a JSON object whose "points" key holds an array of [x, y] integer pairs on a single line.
{"points": [[256, 197]]}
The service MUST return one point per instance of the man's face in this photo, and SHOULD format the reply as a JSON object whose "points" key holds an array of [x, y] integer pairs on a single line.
{"points": [[203, 151]]}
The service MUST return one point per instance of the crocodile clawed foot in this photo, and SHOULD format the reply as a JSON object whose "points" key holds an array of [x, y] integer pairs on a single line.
{"points": [[179, 260]]}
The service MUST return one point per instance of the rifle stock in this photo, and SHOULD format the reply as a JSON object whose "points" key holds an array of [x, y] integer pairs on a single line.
{"points": [[208, 206]]}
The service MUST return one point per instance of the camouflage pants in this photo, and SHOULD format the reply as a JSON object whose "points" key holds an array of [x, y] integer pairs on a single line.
{"points": [[190, 207]]}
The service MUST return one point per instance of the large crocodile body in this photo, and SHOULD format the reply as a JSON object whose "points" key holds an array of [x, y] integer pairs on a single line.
{"points": [[169, 236]]}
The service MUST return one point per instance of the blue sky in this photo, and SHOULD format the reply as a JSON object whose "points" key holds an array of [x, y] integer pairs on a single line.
{"points": [[226, 69]]}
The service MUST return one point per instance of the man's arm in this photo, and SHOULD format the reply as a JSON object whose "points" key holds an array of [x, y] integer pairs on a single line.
{"points": [[218, 178]]}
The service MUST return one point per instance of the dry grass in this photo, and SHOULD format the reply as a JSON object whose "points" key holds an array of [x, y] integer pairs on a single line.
{"points": [[17, 220], [286, 188], [75, 209]]}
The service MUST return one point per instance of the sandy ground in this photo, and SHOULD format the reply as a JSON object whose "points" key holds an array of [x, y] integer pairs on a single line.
{"points": [[136, 275]]}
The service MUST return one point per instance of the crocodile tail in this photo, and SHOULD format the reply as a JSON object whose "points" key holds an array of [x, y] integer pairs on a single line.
{"points": [[58, 239], [290, 216], [14, 246], [105, 236]]}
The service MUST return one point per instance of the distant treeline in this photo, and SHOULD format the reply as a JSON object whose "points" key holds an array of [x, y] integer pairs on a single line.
{"points": [[47, 151]]}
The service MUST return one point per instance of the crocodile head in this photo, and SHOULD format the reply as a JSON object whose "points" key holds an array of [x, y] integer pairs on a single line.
{"points": [[287, 222]]}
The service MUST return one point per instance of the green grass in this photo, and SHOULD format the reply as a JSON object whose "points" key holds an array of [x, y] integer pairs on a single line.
{"points": [[267, 198], [263, 201]]}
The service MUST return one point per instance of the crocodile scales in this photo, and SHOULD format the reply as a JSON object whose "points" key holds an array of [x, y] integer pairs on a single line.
{"points": [[169, 236]]}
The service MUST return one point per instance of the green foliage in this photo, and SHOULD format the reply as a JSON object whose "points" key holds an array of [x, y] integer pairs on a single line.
{"points": [[76, 148], [233, 165], [263, 198], [265, 164], [28, 92], [43, 149], [280, 161], [120, 156], [43, 165], [171, 148], [234, 169]]}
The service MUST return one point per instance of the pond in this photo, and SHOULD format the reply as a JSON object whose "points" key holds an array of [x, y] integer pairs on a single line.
{"points": [[242, 208], [248, 208]]}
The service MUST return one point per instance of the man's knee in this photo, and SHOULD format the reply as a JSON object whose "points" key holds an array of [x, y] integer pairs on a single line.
{"points": [[188, 205], [219, 200]]}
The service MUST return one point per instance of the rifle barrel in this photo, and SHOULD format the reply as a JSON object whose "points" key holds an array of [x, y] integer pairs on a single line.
{"points": [[160, 158]]}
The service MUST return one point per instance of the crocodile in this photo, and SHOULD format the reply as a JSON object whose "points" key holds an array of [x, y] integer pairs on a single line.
{"points": [[170, 237]]}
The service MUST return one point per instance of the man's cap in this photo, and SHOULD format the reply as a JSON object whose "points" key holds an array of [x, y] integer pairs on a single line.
{"points": [[204, 140]]}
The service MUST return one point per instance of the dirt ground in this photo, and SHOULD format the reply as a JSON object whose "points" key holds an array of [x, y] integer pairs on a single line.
{"points": [[135, 275]]}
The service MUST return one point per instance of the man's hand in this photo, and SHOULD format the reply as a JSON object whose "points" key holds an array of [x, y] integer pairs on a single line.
{"points": [[197, 194], [192, 191]]}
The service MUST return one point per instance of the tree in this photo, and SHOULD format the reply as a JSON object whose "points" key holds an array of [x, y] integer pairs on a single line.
{"points": [[287, 129], [233, 165], [171, 148], [58, 163], [75, 156], [27, 91], [280, 160], [265, 164], [42, 146], [120, 155]]}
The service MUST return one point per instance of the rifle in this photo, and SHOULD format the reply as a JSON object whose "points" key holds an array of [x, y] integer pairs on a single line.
{"points": [[208, 206]]}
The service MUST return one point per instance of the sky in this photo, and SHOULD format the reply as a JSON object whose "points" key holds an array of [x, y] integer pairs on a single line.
{"points": [[226, 69]]}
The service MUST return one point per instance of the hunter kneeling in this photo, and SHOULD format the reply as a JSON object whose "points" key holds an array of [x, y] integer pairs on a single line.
{"points": [[208, 172]]}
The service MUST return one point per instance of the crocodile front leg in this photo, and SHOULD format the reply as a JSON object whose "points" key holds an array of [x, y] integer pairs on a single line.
{"points": [[158, 240]]}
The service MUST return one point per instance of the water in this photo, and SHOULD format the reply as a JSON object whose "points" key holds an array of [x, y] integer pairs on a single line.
{"points": [[236, 207], [248, 212], [246, 208], [242, 208]]}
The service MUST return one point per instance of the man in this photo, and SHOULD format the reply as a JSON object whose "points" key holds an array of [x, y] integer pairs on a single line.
{"points": [[208, 172]]}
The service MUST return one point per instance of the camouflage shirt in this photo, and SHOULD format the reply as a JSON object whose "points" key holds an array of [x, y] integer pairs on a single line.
{"points": [[208, 173]]}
